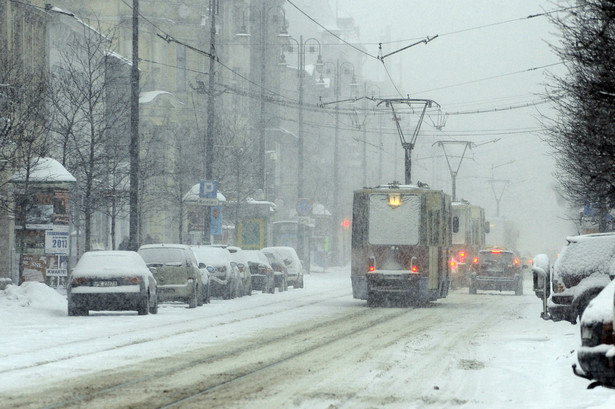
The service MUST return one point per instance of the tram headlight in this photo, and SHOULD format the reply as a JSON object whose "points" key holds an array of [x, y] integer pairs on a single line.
{"points": [[394, 199]]}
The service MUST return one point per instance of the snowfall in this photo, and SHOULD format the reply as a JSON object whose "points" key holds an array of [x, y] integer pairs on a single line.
{"points": [[40, 343]]}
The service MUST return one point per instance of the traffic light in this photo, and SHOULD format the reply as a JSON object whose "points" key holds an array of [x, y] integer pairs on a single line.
{"points": [[345, 223]]}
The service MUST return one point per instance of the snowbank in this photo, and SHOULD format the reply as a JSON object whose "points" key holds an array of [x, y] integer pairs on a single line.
{"points": [[32, 295]]}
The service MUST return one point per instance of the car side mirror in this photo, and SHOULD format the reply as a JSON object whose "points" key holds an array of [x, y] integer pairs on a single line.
{"points": [[202, 265]]}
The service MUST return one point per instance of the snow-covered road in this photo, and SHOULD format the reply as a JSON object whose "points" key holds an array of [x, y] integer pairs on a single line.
{"points": [[315, 347]]}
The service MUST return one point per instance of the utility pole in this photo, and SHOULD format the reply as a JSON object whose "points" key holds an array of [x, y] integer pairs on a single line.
{"points": [[454, 172], [408, 145], [133, 238], [262, 136], [365, 136], [300, 227], [498, 196], [336, 166], [300, 146], [211, 115], [211, 107]]}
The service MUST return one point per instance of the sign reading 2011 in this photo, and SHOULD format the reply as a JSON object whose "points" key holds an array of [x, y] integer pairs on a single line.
{"points": [[56, 242]]}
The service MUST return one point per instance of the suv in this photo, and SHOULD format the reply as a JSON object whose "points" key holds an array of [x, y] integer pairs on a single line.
{"points": [[596, 355], [280, 272], [582, 270], [291, 261], [176, 271], [224, 281], [496, 268]]}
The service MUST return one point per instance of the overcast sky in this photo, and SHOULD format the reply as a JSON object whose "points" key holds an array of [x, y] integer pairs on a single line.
{"points": [[488, 56]]}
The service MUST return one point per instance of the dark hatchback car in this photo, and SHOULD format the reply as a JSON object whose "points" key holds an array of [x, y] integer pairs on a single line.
{"points": [[596, 355], [498, 269], [111, 281], [262, 274]]}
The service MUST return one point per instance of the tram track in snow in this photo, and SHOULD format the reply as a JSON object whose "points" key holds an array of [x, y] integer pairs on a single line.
{"points": [[169, 330], [111, 390]]}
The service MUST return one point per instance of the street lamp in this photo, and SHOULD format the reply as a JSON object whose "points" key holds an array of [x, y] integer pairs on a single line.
{"points": [[310, 44], [263, 18], [348, 68]]}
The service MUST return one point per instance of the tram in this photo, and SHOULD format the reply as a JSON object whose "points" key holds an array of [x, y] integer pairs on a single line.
{"points": [[401, 243], [469, 235]]}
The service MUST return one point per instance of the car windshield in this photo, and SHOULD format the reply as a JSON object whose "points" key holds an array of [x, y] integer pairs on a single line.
{"points": [[163, 256], [496, 257]]}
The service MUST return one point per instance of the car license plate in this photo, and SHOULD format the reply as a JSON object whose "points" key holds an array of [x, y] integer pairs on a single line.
{"points": [[104, 284]]}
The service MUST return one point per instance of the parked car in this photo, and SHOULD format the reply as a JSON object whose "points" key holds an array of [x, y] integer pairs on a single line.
{"points": [[111, 281], [224, 282], [240, 263], [496, 268], [581, 271], [596, 355], [261, 272], [176, 270], [280, 272], [291, 261]]}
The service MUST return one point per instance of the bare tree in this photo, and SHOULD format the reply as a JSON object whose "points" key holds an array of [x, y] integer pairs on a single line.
{"points": [[583, 133], [89, 113], [22, 125]]}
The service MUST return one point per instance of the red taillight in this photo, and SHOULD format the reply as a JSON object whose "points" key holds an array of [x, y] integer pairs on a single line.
{"points": [[77, 281], [414, 269], [475, 261], [516, 261], [452, 263], [496, 251], [133, 280], [371, 268]]}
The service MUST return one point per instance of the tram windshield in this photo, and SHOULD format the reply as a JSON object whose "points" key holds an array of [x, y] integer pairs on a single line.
{"points": [[394, 224]]}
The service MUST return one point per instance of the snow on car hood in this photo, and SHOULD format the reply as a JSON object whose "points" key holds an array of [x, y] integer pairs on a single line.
{"points": [[593, 281], [600, 309]]}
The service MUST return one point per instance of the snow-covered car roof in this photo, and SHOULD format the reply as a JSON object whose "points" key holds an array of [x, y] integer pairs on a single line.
{"points": [[585, 255], [283, 252], [600, 309], [257, 256], [113, 263], [212, 255]]}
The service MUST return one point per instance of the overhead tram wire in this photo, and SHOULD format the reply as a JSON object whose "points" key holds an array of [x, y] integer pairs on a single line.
{"points": [[291, 103], [481, 26], [169, 38], [330, 32]]}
